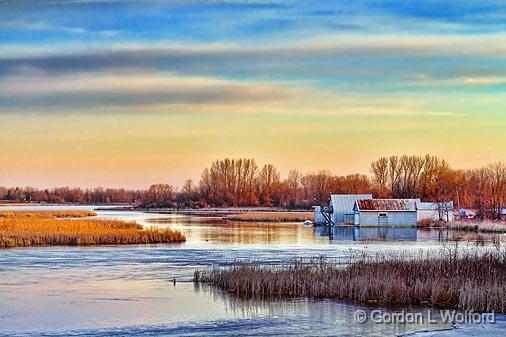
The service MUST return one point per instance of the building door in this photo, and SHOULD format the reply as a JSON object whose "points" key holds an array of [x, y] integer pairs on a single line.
{"points": [[382, 219]]}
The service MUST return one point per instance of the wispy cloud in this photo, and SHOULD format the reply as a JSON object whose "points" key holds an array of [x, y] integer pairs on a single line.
{"points": [[115, 89], [52, 27]]}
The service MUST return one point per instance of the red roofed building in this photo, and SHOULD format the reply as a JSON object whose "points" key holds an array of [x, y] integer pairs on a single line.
{"points": [[385, 212]]}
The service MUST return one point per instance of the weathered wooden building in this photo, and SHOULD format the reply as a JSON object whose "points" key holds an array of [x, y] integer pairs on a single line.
{"points": [[385, 212]]}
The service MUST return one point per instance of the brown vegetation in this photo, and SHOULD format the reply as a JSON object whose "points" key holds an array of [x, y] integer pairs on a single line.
{"points": [[59, 195], [47, 214], [271, 216], [25, 231], [428, 223], [478, 226], [471, 281]]}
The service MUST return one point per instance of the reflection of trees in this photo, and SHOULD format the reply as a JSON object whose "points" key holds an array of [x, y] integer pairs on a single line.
{"points": [[471, 238], [219, 231]]}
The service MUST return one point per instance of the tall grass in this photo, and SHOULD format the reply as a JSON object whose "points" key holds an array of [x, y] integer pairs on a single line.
{"points": [[26, 231], [271, 216], [470, 281], [47, 214]]}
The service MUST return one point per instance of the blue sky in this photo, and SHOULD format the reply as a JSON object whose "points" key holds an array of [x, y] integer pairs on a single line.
{"points": [[362, 46], [427, 74], [40, 21]]}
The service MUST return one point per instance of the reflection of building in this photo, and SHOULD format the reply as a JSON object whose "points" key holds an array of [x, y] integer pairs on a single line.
{"points": [[355, 233], [385, 212]]}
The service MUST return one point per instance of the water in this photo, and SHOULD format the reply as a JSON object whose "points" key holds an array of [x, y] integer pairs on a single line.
{"points": [[128, 290]]}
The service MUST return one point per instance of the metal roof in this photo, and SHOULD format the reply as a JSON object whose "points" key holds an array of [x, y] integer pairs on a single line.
{"points": [[387, 205], [346, 202]]}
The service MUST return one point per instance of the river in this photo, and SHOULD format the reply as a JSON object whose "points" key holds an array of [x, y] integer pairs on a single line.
{"points": [[129, 290]]}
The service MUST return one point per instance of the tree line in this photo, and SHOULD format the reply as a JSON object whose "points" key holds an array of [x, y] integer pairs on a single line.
{"points": [[242, 183]]}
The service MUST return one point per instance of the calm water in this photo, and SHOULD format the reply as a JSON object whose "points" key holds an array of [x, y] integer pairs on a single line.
{"points": [[128, 290]]}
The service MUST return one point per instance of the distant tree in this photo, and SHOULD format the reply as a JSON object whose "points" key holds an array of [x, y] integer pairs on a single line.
{"points": [[292, 190], [379, 169], [160, 195], [269, 184]]}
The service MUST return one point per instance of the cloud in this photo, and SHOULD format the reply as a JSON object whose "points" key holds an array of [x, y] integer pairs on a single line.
{"points": [[35, 89], [461, 78], [484, 80], [238, 57], [135, 91], [52, 27]]}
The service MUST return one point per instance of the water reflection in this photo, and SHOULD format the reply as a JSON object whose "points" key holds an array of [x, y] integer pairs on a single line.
{"points": [[327, 317], [220, 231], [356, 233], [215, 230]]}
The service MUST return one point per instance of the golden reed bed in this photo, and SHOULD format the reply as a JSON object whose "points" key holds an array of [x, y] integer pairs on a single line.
{"points": [[47, 214], [19, 230], [271, 216]]}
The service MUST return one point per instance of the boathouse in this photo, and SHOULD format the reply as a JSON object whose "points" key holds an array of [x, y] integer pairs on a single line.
{"points": [[341, 207], [385, 212]]}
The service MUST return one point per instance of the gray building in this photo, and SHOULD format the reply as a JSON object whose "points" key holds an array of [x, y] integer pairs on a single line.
{"points": [[342, 205], [385, 212]]}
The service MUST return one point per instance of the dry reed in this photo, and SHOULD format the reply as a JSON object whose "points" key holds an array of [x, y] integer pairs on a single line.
{"points": [[271, 216], [483, 226], [25, 231], [427, 224], [470, 281], [47, 214]]}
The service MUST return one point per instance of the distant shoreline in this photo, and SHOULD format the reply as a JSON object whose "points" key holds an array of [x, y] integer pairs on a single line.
{"points": [[267, 214]]}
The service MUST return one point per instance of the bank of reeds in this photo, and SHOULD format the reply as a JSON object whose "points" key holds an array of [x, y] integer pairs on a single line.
{"points": [[428, 224], [470, 281], [271, 216], [47, 214], [25, 232], [478, 226]]}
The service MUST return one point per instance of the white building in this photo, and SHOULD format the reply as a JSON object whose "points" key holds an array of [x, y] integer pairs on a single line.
{"points": [[434, 211], [385, 212]]}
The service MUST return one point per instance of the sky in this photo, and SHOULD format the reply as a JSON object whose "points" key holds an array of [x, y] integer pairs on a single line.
{"points": [[123, 93]]}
